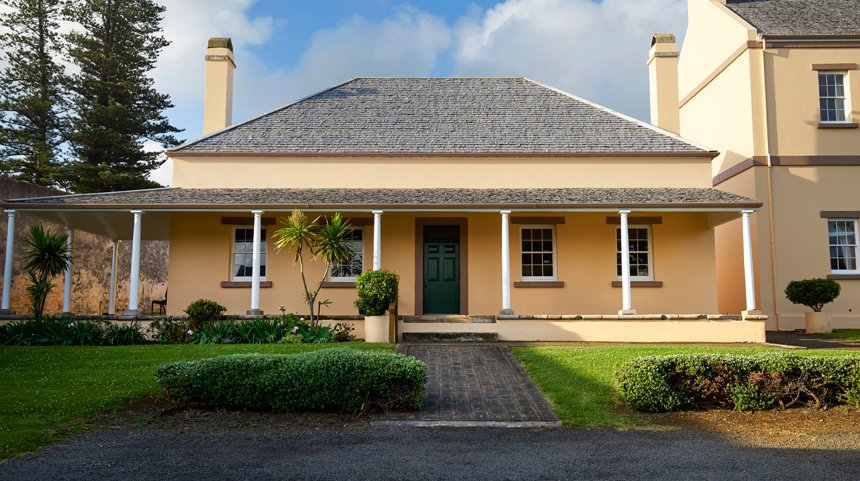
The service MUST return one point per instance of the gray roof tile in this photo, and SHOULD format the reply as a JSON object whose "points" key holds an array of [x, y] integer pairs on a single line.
{"points": [[396, 197], [441, 115], [800, 17]]}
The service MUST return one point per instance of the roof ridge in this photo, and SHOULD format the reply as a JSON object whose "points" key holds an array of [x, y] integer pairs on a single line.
{"points": [[68, 196], [626, 117]]}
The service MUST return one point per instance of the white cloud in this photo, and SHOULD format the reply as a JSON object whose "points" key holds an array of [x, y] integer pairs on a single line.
{"points": [[593, 50], [407, 43]]}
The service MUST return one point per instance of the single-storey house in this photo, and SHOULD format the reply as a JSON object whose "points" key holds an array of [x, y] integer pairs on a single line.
{"points": [[497, 199]]}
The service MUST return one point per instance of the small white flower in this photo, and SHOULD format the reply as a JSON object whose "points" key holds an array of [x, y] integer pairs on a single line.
{"points": [[71, 325], [301, 318], [190, 332]]}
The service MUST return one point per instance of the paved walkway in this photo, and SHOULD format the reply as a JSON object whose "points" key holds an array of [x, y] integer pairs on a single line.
{"points": [[474, 385], [811, 341]]}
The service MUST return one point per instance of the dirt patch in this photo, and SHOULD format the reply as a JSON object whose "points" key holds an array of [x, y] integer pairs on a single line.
{"points": [[158, 412], [800, 428]]}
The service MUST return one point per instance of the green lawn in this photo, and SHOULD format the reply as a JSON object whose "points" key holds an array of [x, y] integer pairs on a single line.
{"points": [[578, 380], [853, 334], [43, 389]]}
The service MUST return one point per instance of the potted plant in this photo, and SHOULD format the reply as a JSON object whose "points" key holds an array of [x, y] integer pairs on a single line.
{"points": [[376, 291], [814, 293]]}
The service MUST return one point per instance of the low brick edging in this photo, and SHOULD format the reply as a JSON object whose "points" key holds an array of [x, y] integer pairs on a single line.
{"points": [[635, 317]]}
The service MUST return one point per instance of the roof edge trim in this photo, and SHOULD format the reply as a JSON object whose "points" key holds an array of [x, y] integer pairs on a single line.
{"points": [[709, 154]]}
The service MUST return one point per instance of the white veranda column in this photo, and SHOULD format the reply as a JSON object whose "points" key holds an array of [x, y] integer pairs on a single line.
{"points": [[67, 285], [7, 273], [506, 265], [625, 265], [377, 241], [255, 272], [134, 278], [748, 263], [112, 297]]}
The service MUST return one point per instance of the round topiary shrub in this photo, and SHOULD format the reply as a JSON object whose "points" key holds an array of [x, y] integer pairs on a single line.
{"points": [[203, 311], [376, 291], [813, 293]]}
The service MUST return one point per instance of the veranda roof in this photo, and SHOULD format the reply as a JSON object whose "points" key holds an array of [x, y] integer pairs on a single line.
{"points": [[108, 214]]}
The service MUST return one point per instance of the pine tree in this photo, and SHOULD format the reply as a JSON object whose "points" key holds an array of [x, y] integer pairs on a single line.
{"points": [[116, 109], [31, 91]]}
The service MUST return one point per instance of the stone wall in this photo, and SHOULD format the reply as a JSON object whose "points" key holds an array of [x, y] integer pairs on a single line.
{"points": [[91, 271]]}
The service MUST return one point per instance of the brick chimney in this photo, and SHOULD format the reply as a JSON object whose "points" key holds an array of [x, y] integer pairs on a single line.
{"points": [[218, 98], [663, 75]]}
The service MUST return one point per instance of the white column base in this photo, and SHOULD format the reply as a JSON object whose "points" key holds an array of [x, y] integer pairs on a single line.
{"points": [[133, 312], [254, 312], [506, 312], [7, 312], [627, 312]]}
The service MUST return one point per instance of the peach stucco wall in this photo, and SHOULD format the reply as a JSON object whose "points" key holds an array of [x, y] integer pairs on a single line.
{"points": [[792, 100], [418, 172], [683, 259]]}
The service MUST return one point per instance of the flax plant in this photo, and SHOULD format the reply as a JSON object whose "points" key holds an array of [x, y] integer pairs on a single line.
{"points": [[45, 257], [329, 242]]}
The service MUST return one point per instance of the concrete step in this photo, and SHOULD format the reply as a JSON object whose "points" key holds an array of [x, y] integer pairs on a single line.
{"points": [[452, 319], [450, 337]]}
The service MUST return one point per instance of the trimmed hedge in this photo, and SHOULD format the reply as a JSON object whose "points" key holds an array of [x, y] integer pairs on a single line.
{"points": [[665, 383], [339, 378]]}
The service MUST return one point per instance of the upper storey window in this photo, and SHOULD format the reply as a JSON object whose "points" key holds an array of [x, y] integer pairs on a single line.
{"points": [[831, 93]]}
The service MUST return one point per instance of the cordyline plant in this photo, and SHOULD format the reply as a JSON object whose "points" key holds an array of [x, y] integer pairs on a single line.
{"points": [[45, 256], [329, 243]]}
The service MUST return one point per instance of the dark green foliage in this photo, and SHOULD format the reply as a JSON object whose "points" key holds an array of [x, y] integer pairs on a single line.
{"points": [[319, 335], [115, 107], [169, 330], [376, 291], [664, 383], [45, 256], [813, 293], [127, 335], [65, 332], [31, 91], [330, 379], [203, 311], [343, 332]]}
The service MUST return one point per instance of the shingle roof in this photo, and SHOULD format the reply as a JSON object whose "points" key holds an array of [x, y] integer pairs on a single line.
{"points": [[441, 115], [395, 197], [800, 17]]}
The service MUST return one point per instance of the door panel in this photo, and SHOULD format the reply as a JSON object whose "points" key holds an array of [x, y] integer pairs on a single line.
{"points": [[441, 278]]}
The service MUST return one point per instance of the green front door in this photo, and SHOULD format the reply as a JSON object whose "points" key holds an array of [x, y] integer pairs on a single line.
{"points": [[441, 277]]}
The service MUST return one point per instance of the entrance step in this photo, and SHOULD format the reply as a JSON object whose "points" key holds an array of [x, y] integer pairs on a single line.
{"points": [[450, 337], [449, 319]]}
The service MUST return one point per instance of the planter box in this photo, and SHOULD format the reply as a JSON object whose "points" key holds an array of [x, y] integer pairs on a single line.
{"points": [[818, 323], [376, 328]]}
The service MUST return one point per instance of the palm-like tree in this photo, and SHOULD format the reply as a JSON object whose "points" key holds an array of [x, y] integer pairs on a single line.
{"points": [[45, 257], [329, 243]]}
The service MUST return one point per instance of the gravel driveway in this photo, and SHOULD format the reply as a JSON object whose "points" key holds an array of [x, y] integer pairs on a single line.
{"points": [[415, 453]]}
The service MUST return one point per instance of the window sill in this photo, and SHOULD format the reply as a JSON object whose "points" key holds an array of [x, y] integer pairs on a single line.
{"points": [[640, 283], [838, 125], [338, 284], [843, 276], [539, 284], [244, 284]]}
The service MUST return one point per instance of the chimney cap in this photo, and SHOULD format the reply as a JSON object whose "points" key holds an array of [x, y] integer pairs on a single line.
{"points": [[224, 42], [657, 38]]}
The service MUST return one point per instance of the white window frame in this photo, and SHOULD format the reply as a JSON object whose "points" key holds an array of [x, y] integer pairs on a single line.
{"points": [[264, 241], [846, 107], [554, 276], [856, 247], [332, 277], [650, 276]]}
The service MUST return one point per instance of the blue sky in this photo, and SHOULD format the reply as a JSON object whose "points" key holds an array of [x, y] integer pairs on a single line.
{"points": [[288, 49]]}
